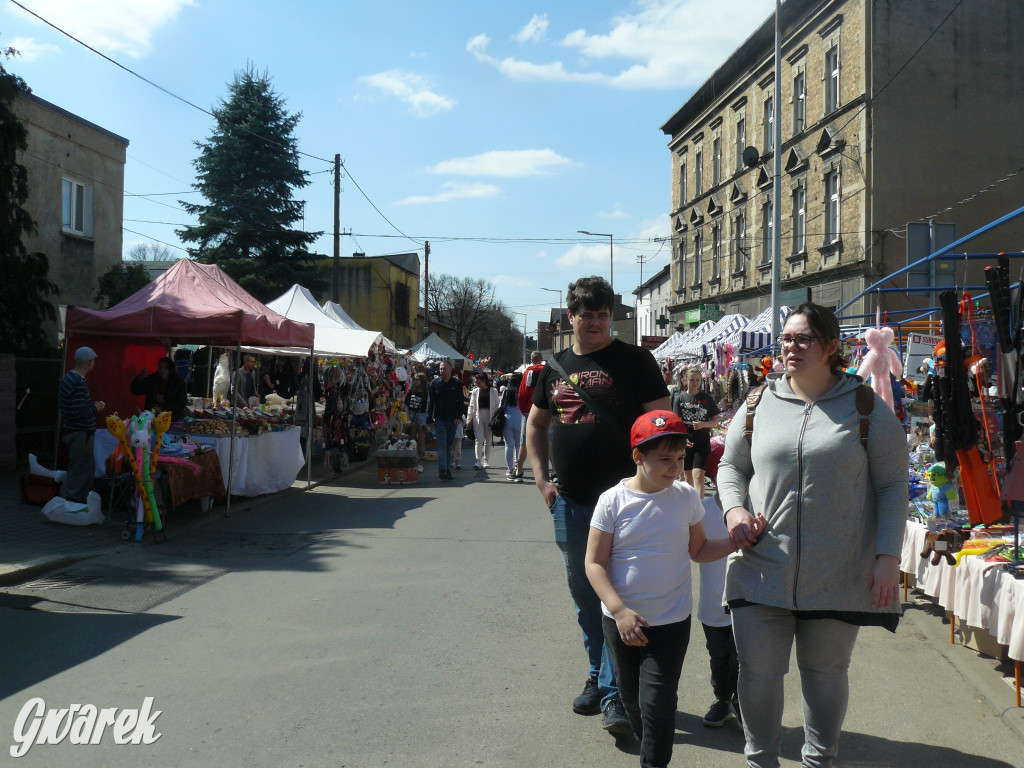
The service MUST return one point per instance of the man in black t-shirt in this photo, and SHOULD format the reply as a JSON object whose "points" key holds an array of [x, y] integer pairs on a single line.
{"points": [[591, 453]]}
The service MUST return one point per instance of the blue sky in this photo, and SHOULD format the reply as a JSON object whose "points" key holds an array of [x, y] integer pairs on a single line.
{"points": [[496, 130]]}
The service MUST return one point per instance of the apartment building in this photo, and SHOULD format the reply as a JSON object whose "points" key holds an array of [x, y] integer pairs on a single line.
{"points": [[891, 112]]}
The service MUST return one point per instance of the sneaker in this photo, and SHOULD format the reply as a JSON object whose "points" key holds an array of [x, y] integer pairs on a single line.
{"points": [[458, 466], [419, 467], [518, 477], [735, 704], [719, 714], [588, 702], [448, 475], [510, 477], [484, 464], [477, 465], [615, 720]]}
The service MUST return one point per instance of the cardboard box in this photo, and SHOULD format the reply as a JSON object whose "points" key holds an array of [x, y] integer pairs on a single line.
{"points": [[981, 641], [396, 475]]}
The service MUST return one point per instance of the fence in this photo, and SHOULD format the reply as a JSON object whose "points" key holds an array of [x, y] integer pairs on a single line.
{"points": [[37, 420]]}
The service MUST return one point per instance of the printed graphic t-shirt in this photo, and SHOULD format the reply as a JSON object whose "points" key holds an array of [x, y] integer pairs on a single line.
{"points": [[699, 407], [591, 454]]}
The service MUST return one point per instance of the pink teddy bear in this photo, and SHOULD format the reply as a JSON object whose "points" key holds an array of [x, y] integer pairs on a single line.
{"points": [[879, 362]]}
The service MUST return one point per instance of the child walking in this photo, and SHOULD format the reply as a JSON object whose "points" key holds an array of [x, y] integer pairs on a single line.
{"points": [[644, 533]]}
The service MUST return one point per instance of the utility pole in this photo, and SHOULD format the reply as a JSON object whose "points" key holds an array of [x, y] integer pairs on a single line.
{"points": [[426, 288], [336, 265], [777, 182]]}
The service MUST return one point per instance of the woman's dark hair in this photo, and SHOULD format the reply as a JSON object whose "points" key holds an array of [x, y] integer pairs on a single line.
{"points": [[667, 442], [825, 325], [172, 369], [590, 293], [419, 381], [485, 377]]}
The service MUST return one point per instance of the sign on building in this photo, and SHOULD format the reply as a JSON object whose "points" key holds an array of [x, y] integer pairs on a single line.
{"points": [[652, 342], [919, 346]]}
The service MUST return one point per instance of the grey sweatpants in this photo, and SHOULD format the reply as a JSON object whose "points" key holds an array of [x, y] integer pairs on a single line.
{"points": [[81, 466], [764, 640]]}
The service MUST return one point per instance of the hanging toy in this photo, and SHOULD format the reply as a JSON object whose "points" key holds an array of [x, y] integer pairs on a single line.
{"points": [[879, 361]]}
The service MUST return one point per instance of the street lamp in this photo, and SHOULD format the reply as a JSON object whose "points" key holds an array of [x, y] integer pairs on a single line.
{"points": [[553, 290], [611, 254], [524, 333]]}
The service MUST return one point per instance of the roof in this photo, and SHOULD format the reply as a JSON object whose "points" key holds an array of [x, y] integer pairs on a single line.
{"points": [[332, 337], [195, 303], [434, 347], [72, 116], [658, 277]]}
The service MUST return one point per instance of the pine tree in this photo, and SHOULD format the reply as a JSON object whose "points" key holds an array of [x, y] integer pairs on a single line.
{"points": [[248, 169], [24, 285]]}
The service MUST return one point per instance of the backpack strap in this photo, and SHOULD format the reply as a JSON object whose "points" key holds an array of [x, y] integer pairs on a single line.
{"points": [[753, 398], [865, 404]]}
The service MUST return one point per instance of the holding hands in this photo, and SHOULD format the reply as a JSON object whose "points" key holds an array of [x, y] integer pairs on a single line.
{"points": [[744, 528]]}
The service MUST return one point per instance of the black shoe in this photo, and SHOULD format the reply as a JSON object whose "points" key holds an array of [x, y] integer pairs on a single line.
{"points": [[735, 704], [588, 702], [448, 475], [615, 720], [719, 714]]}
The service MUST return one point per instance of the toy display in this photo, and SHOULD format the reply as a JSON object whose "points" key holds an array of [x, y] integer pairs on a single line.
{"points": [[879, 362], [940, 493]]}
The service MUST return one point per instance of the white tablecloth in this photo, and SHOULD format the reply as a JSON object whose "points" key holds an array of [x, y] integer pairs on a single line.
{"points": [[981, 594], [265, 463]]}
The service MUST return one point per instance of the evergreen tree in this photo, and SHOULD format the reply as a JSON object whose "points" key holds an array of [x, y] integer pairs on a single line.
{"points": [[247, 171], [24, 285], [121, 281]]}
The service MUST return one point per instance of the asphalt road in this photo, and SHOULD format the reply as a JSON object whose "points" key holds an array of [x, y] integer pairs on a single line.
{"points": [[365, 626]]}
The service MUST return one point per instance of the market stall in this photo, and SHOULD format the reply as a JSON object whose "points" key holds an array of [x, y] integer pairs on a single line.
{"points": [[435, 348]]}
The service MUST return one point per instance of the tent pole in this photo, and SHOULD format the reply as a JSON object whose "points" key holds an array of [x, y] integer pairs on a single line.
{"points": [[309, 423], [234, 415], [209, 373]]}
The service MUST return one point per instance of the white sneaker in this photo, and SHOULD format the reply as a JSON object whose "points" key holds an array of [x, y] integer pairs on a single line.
{"points": [[485, 464], [510, 477], [477, 465]]}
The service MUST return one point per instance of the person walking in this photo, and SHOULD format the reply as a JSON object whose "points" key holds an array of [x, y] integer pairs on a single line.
{"points": [[79, 410], [526, 387], [483, 403], [513, 428], [699, 413], [600, 387], [446, 406], [827, 560], [416, 410]]}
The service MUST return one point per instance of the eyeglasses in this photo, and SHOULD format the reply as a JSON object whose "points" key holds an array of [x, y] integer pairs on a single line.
{"points": [[800, 341]]}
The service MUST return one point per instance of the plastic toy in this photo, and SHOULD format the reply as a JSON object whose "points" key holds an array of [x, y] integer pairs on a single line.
{"points": [[940, 493], [134, 436]]}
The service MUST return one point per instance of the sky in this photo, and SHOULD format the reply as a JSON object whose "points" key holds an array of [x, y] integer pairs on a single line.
{"points": [[493, 130]]}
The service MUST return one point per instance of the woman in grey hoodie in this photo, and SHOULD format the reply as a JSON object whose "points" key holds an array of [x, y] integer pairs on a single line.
{"points": [[827, 561]]}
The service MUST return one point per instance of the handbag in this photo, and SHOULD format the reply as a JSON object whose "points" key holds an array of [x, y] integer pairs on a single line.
{"points": [[497, 422]]}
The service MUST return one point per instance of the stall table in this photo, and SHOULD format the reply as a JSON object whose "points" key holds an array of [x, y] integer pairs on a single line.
{"points": [[980, 594], [265, 463]]}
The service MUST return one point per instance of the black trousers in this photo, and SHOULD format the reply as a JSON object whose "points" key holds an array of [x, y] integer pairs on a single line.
{"points": [[724, 666], [648, 679]]}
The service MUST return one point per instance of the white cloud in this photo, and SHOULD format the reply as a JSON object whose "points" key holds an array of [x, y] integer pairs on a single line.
{"points": [[30, 49], [513, 282], [659, 226], [112, 26], [585, 256], [414, 90], [618, 213], [453, 190], [534, 30], [664, 44], [505, 163]]}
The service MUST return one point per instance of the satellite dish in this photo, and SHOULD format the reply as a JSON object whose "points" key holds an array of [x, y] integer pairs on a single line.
{"points": [[751, 157]]}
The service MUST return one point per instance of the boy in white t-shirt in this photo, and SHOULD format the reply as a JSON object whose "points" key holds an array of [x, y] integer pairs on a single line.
{"points": [[643, 534]]}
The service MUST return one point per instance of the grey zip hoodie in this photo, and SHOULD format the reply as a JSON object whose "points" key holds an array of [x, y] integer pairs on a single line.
{"points": [[831, 505]]}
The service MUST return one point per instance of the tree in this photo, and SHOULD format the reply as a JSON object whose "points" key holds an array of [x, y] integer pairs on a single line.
{"points": [[121, 281], [481, 324], [248, 169], [24, 282], [150, 252]]}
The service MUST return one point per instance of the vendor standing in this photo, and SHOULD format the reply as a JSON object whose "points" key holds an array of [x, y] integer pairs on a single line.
{"points": [[163, 390], [79, 412], [244, 383]]}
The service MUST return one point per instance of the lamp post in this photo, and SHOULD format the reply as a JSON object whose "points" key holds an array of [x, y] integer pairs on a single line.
{"points": [[553, 290], [524, 332], [611, 254]]}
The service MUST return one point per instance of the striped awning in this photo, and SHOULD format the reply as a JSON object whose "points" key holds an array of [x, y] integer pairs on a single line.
{"points": [[728, 325]]}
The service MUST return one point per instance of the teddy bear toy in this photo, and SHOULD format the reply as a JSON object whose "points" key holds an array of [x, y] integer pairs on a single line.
{"points": [[940, 493], [943, 545], [879, 362]]}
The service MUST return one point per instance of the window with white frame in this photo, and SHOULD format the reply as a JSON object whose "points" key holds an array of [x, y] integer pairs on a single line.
{"points": [[698, 171], [716, 160], [741, 141], [682, 183], [832, 78], [739, 237], [76, 207], [799, 101], [716, 252], [831, 207], [799, 219], [767, 226], [769, 124], [682, 264], [697, 247]]}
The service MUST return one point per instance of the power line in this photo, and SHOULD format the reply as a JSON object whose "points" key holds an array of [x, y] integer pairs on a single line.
{"points": [[169, 245]]}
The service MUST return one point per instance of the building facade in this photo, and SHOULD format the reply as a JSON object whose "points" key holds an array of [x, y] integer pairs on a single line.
{"points": [[76, 196], [654, 299], [891, 112]]}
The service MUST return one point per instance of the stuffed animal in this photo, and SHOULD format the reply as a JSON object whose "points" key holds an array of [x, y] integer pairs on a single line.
{"points": [[940, 493], [222, 379], [879, 362], [943, 545]]}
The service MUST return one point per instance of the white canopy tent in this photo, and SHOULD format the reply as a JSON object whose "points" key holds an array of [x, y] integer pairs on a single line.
{"points": [[717, 332], [338, 313], [667, 344], [434, 347], [330, 336], [677, 349]]}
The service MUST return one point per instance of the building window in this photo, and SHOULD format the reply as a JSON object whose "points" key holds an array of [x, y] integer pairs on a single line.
{"points": [[697, 277], [681, 279], [769, 124], [832, 79], [682, 184], [739, 237], [401, 313], [767, 225], [799, 102], [698, 170], [716, 161], [741, 142], [831, 207], [799, 220], [76, 207], [716, 252]]}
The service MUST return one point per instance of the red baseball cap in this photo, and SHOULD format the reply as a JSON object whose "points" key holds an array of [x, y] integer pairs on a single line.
{"points": [[714, 457], [654, 424]]}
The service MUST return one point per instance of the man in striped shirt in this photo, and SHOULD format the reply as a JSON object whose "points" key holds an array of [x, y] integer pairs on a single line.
{"points": [[79, 411]]}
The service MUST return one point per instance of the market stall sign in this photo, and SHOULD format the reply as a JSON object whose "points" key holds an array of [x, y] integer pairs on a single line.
{"points": [[691, 316], [652, 342], [919, 346], [710, 312]]}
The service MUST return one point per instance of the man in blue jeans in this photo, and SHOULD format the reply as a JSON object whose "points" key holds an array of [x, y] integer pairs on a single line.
{"points": [[590, 450], [446, 404]]}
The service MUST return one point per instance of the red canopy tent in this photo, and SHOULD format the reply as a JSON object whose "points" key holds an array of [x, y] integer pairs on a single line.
{"points": [[190, 303]]}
